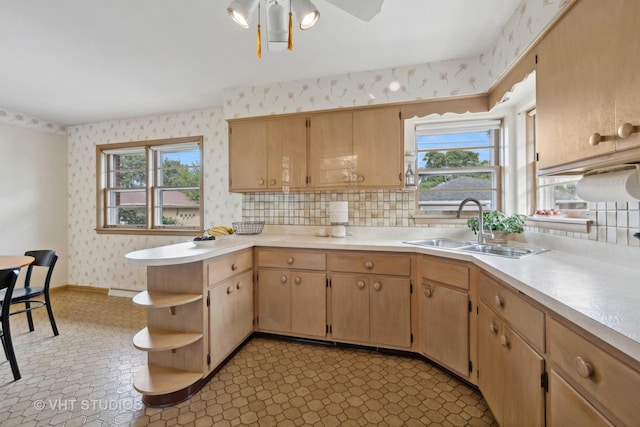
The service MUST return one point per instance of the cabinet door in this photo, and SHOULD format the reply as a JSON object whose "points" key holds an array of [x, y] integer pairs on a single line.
{"points": [[567, 407], [221, 340], [378, 147], [350, 308], [309, 303], [390, 312], [491, 361], [242, 311], [287, 153], [274, 301], [331, 161], [524, 395], [445, 326], [247, 156], [575, 84], [627, 65]]}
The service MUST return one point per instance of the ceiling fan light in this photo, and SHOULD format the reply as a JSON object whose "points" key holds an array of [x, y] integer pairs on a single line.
{"points": [[241, 11], [306, 12]]}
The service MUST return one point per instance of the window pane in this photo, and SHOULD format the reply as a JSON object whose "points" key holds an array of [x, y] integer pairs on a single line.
{"points": [[455, 158], [128, 170], [455, 140], [559, 193], [178, 166], [178, 207]]}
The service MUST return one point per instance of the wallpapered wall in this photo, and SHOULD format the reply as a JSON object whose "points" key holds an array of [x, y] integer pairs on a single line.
{"points": [[98, 260]]}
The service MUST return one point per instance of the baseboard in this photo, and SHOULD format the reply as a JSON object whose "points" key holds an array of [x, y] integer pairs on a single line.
{"points": [[126, 293], [80, 288]]}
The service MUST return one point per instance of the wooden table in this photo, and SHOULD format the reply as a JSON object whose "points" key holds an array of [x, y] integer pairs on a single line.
{"points": [[14, 261]]}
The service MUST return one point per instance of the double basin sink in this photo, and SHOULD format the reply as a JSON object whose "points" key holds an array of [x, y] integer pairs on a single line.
{"points": [[507, 251]]}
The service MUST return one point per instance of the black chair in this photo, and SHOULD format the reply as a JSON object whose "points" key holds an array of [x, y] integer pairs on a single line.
{"points": [[7, 284], [28, 294]]}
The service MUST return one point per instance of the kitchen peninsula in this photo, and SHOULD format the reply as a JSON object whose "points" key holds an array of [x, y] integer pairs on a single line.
{"points": [[585, 341]]}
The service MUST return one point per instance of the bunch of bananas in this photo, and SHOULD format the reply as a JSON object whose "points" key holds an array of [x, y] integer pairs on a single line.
{"points": [[220, 230]]}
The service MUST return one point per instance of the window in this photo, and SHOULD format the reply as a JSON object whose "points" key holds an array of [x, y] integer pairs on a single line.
{"points": [[150, 187], [456, 161]]}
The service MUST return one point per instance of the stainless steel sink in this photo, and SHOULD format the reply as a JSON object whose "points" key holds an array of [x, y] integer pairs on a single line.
{"points": [[507, 251], [501, 250], [439, 243]]}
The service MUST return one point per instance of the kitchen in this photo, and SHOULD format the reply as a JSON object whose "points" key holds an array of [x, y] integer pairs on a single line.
{"points": [[112, 271]]}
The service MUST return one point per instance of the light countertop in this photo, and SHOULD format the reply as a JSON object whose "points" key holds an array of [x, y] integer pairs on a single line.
{"points": [[598, 296]]}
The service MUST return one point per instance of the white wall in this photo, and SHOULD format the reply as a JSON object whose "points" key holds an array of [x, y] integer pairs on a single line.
{"points": [[33, 194], [98, 259]]}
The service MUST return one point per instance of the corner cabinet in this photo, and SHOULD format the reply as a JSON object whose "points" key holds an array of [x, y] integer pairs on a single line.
{"points": [[587, 113], [445, 321], [198, 314], [268, 154]]}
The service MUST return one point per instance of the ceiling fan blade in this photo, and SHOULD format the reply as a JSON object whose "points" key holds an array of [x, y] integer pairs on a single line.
{"points": [[363, 9]]}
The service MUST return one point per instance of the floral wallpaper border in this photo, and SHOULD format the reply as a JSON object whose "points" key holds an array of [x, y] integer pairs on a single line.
{"points": [[18, 119]]}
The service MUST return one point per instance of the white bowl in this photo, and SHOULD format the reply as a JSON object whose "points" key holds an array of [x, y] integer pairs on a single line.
{"points": [[203, 243]]}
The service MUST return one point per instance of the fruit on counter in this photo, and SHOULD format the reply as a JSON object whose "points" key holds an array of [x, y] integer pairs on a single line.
{"points": [[220, 230], [203, 238], [548, 212]]}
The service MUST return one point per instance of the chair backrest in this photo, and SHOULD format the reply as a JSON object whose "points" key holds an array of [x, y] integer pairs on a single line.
{"points": [[8, 280], [43, 258]]}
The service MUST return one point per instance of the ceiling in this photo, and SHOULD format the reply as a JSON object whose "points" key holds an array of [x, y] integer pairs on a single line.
{"points": [[83, 61]]}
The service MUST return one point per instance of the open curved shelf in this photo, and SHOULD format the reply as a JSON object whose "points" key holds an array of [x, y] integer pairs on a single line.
{"points": [[157, 339], [157, 299], [156, 380]]}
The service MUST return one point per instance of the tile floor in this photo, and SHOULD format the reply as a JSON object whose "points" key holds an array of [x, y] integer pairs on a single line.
{"points": [[84, 376]]}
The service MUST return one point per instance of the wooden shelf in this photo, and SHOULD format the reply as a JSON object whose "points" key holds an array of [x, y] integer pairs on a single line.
{"points": [[157, 299], [156, 339], [155, 380]]}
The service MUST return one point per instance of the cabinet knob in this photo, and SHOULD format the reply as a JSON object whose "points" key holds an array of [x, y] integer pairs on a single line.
{"points": [[626, 129], [297, 280], [234, 266], [360, 178], [346, 178], [283, 279], [584, 368], [595, 139], [290, 260], [360, 284], [504, 340], [493, 328], [368, 265], [229, 289], [272, 182], [238, 285], [499, 301], [377, 286], [261, 182], [427, 291]]}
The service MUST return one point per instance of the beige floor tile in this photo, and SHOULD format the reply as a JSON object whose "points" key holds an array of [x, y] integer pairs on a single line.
{"points": [[84, 377]]}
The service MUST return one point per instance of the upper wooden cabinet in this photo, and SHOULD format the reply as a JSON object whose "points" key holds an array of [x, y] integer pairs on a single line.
{"points": [[586, 85], [361, 148], [268, 154]]}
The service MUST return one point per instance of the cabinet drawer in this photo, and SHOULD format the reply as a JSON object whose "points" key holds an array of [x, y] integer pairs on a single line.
{"points": [[372, 263], [612, 383], [227, 265], [525, 318], [449, 273], [292, 259]]}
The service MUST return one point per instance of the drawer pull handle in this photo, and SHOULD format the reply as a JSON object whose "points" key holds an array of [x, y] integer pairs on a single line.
{"points": [[626, 129], [234, 266], [272, 182], [238, 286], [229, 289], [283, 279], [377, 286], [290, 260], [504, 340], [368, 265], [427, 292], [493, 328], [360, 284], [583, 367], [297, 280], [499, 301]]}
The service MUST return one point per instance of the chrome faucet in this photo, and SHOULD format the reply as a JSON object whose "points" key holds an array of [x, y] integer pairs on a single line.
{"points": [[481, 233]]}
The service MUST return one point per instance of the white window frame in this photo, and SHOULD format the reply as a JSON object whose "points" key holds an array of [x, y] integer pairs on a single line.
{"points": [[153, 188]]}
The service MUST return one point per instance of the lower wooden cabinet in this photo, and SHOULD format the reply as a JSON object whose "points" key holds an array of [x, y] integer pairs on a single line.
{"points": [[568, 408], [510, 373], [230, 315], [371, 309]]}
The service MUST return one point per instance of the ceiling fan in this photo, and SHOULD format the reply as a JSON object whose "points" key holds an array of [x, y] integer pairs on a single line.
{"points": [[279, 35]]}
